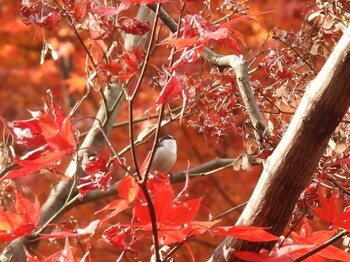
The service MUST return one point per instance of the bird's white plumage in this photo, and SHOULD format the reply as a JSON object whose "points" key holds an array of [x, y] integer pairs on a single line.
{"points": [[165, 155]]}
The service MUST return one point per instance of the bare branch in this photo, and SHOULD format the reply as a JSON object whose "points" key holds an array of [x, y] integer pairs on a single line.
{"points": [[206, 169]]}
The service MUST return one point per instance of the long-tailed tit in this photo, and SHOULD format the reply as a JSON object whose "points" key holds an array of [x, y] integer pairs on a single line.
{"points": [[165, 155]]}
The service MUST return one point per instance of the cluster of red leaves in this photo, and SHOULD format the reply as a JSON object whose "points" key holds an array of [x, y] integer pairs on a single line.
{"points": [[330, 211], [98, 175], [279, 64], [135, 26], [97, 19], [318, 238], [66, 254], [216, 104], [173, 89], [305, 240], [39, 12], [219, 123], [147, 2], [195, 34], [298, 245], [19, 223], [124, 67], [54, 137], [48, 133], [175, 218]]}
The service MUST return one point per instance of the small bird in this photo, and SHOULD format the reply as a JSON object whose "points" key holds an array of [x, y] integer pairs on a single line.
{"points": [[165, 155]]}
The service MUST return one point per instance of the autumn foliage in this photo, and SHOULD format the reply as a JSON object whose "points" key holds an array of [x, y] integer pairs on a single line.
{"points": [[148, 76]]}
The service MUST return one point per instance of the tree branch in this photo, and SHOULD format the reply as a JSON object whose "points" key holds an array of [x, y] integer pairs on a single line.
{"points": [[178, 177]]}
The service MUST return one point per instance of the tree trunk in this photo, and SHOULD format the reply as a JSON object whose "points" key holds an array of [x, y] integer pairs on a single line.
{"points": [[290, 167]]}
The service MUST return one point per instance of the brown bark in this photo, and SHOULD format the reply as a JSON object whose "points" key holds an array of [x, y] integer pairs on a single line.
{"points": [[290, 167]]}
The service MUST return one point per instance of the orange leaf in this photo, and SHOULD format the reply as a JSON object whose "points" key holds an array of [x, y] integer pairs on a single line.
{"points": [[252, 256], [30, 166], [329, 210], [29, 211], [22, 223], [65, 255], [343, 220], [171, 90], [318, 238], [118, 205], [64, 138], [249, 233], [176, 234], [128, 188], [115, 235], [50, 130], [182, 42]]}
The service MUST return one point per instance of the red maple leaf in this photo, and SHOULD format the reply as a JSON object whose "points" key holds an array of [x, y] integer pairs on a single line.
{"points": [[51, 130], [64, 255], [317, 238], [135, 26], [278, 65], [175, 219], [190, 54], [98, 27], [94, 164], [330, 211], [249, 233], [40, 13], [124, 67], [302, 243], [157, 186], [146, 2], [181, 42], [99, 180], [283, 254], [172, 89], [173, 213], [30, 164], [21, 223], [103, 11], [173, 223], [177, 234], [27, 132], [128, 189], [196, 32], [115, 235]]}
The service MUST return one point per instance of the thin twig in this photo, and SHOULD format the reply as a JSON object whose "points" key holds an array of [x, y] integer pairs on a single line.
{"points": [[296, 52], [131, 134], [228, 211], [132, 97]]}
